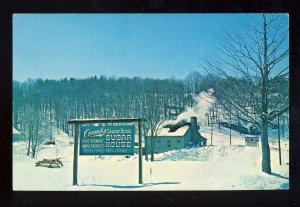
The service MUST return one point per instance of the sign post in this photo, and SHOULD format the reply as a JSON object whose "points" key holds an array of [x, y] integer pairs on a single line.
{"points": [[140, 154], [75, 161], [106, 140]]}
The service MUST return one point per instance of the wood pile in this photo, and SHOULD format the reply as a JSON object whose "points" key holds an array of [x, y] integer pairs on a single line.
{"points": [[49, 163]]}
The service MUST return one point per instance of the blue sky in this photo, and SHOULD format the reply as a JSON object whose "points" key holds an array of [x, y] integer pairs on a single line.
{"points": [[56, 46]]}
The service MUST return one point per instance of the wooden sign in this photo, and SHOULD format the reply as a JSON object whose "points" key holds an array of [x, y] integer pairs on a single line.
{"points": [[106, 140]]}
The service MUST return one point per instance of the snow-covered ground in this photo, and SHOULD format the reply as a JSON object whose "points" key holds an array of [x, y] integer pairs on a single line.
{"points": [[217, 167]]}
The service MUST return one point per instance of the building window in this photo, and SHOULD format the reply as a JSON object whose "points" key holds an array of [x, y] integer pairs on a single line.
{"points": [[169, 145], [169, 141], [178, 140]]}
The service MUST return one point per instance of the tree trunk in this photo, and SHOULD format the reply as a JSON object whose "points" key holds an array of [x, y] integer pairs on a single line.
{"points": [[28, 149], [29, 139], [146, 156], [279, 147], [33, 151], [266, 162], [146, 148], [152, 149]]}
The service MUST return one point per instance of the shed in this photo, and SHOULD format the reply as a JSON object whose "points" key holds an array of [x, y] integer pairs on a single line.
{"points": [[16, 135], [251, 141]]}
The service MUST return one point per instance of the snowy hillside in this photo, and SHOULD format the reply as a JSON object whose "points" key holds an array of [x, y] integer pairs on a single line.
{"points": [[217, 167]]}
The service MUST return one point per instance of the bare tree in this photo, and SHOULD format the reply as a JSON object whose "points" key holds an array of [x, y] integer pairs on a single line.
{"points": [[192, 86], [253, 64], [31, 123], [154, 119], [154, 126]]}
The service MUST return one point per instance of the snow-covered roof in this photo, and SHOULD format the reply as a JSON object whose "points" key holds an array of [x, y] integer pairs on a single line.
{"points": [[179, 132], [15, 131], [251, 136]]}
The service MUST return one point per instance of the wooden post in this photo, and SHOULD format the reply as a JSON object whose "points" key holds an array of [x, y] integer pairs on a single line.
{"points": [[140, 154], [75, 160], [211, 133], [230, 135], [230, 127], [146, 148]]}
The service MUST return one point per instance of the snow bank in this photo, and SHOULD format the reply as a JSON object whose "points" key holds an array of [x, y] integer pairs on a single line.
{"points": [[218, 167]]}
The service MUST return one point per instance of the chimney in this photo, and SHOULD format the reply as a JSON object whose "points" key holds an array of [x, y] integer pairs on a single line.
{"points": [[194, 122], [194, 129]]}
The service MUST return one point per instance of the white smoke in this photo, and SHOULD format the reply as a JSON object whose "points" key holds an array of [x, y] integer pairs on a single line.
{"points": [[204, 101]]}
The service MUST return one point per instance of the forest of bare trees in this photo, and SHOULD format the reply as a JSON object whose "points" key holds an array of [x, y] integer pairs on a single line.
{"points": [[39, 105]]}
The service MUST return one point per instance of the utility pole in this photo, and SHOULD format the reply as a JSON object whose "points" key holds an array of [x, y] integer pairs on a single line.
{"points": [[211, 132], [230, 126], [230, 131]]}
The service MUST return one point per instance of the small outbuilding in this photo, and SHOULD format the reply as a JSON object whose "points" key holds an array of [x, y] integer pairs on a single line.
{"points": [[251, 141], [16, 135]]}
